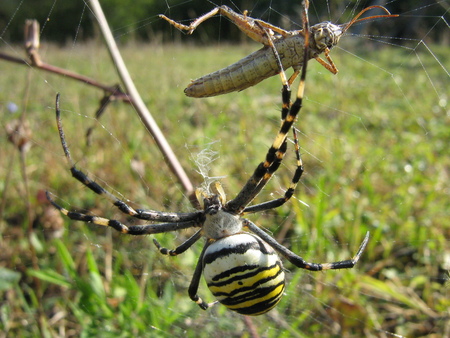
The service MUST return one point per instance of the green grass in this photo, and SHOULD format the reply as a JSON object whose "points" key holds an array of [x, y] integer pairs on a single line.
{"points": [[375, 148]]}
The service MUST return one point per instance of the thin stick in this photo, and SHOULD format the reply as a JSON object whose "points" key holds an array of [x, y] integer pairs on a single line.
{"points": [[137, 101], [67, 73]]}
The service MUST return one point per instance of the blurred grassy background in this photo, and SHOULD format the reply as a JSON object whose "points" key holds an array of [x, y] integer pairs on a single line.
{"points": [[374, 143]]}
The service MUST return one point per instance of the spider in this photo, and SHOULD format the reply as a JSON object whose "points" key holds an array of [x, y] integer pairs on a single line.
{"points": [[241, 268]]}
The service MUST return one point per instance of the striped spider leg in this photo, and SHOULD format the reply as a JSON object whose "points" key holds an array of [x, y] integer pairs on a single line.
{"points": [[168, 221]]}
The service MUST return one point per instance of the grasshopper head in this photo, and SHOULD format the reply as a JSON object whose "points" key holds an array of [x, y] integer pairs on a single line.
{"points": [[326, 35]]}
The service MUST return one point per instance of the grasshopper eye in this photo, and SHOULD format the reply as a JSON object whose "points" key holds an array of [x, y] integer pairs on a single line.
{"points": [[320, 38]]}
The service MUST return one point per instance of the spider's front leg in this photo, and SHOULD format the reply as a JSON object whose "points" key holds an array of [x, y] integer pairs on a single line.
{"points": [[291, 189], [265, 170]]}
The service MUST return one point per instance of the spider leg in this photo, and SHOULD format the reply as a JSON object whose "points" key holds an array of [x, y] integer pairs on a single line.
{"points": [[286, 90], [151, 215], [193, 287], [142, 229], [299, 261], [180, 249], [286, 109], [289, 192], [266, 169]]}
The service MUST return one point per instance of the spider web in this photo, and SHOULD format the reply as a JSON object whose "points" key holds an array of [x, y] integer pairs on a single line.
{"points": [[373, 139]]}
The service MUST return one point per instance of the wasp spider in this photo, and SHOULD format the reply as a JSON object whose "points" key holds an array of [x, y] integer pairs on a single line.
{"points": [[242, 269]]}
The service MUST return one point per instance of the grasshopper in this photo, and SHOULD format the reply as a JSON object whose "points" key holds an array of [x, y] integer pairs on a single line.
{"points": [[262, 64]]}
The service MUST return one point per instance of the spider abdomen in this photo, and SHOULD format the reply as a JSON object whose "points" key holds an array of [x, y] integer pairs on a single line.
{"points": [[244, 273]]}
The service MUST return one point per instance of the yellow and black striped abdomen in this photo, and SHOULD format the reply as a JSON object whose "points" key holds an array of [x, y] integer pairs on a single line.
{"points": [[244, 273]]}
